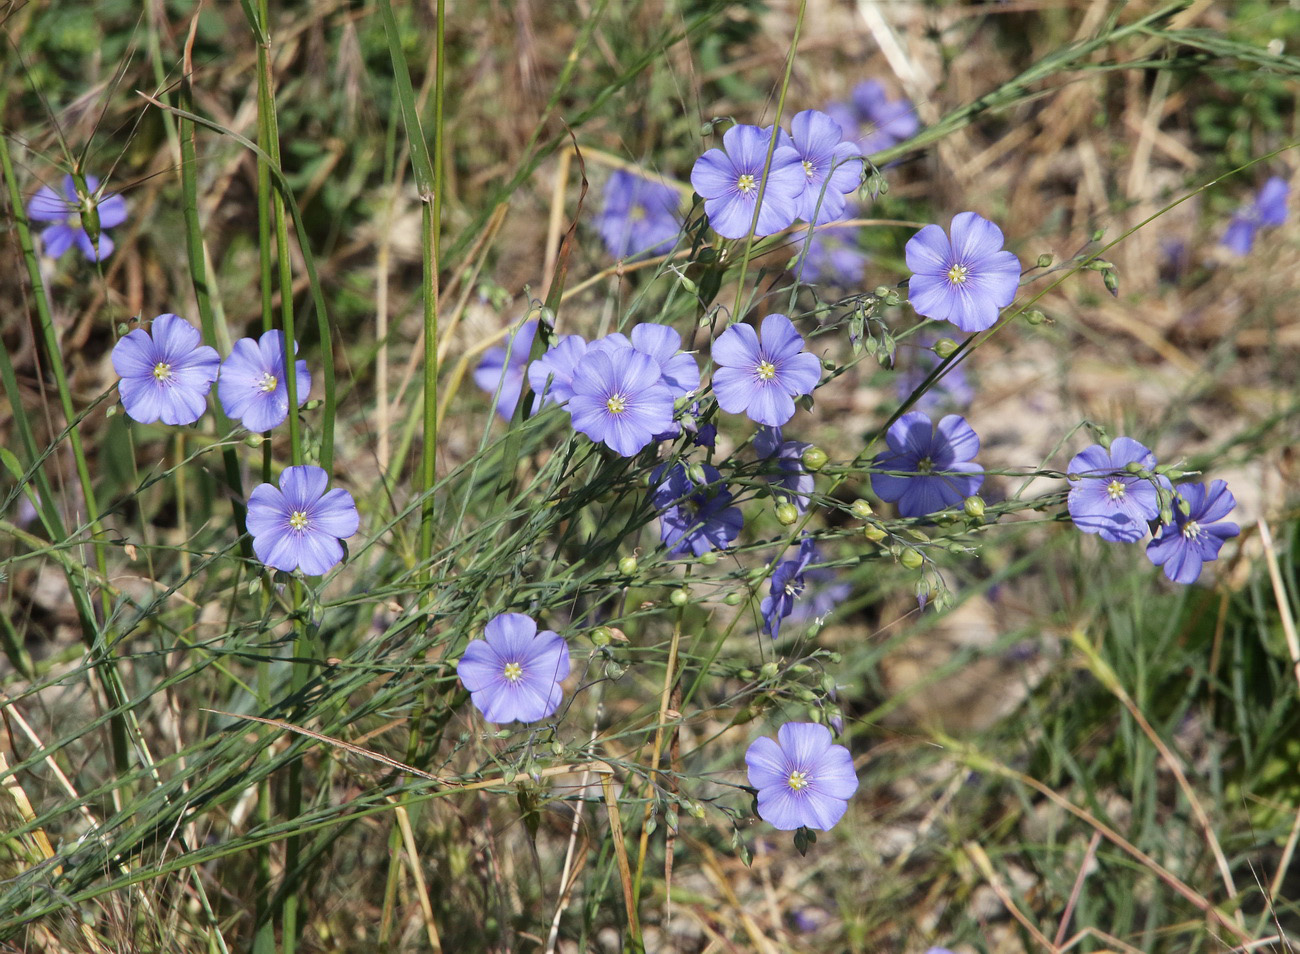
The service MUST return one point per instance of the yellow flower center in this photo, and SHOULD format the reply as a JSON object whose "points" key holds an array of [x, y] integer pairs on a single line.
{"points": [[513, 671], [1116, 489], [268, 383], [617, 403], [1191, 530], [746, 184], [162, 371], [298, 520], [808, 169], [924, 466], [636, 213], [766, 370], [958, 274], [798, 780]]}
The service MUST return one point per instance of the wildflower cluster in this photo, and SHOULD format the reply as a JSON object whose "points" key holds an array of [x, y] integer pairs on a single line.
{"points": [[805, 174], [166, 374], [1119, 495]]}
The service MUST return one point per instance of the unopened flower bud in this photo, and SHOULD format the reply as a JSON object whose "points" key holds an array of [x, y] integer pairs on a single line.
{"points": [[253, 440], [813, 458], [769, 671], [1035, 317], [680, 597], [732, 599], [874, 532], [974, 506], [709, 558], [861, 509], [1044, 260], [787, 514], [627, 566], [912, 559], [601, 636], [697, 475], [944, 347]]}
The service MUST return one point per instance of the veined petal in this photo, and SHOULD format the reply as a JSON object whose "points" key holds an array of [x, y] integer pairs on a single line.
{"points": [[737, 347]]}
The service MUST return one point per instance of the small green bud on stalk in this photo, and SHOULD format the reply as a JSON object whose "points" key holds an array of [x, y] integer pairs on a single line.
{"points": [[874, 532], [1035, 317], [769, 671], [732, 599], [944, 347], [710, 558], [627, 566], [861, 509], [814, 459], [912, 559], [974, 507], [1044, 260], [680, 597], [787, 514], [601, 636]]}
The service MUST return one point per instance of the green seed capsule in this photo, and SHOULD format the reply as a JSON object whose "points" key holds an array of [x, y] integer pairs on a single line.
{"points": [[680, 597], [974, 506], [733, 599], [861, 509], [709, 558], [601, 636], [1044, 260], [627, 566], [912, 559], [874, 532], [787, 514], [944, 347]]}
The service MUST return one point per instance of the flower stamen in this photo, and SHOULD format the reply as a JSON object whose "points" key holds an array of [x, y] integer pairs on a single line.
{"points": [[617, 403], [268, 383], [746, 184], [798, 780], [162, 371], [298, 520], [513, 671], [1191, 530], [766, 370], [1116, 489], [958, 274]]}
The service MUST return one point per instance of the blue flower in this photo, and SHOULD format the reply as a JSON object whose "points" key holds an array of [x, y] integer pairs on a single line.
{"points": [[1108, 499], [166, 376], [803, 779], [679, 371], [1269, 208], [65, 211], [934, 461], [693, 518], [500, 373], [830, 254], [551, 375], [514, 674], [619, 398], [794, 484], [831, 166], [252, 388], [787, 586], [965, 280], [762, 379], [730, 179], [875, 120], [1195, 537], [298, 525], [640, 215]]}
